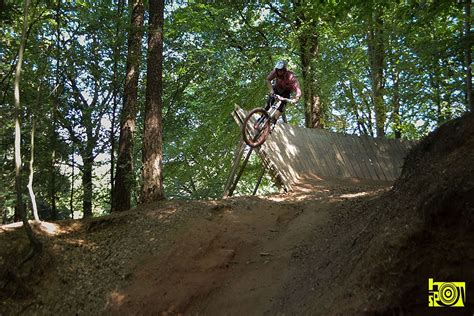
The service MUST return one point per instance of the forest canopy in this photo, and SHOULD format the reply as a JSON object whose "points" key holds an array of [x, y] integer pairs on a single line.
{"points": [[395, 69]]}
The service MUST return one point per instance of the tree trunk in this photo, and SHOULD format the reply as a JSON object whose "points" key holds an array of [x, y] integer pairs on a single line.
{"points": [[309, 46], [308, 51], [468, 55], [376, 56], [87, 187], [116, 57], [124, 181], [124, 178], [20, 206], [152, 159]]}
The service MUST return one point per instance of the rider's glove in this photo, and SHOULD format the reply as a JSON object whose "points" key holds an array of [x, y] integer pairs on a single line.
{"points": [[294, 101]]}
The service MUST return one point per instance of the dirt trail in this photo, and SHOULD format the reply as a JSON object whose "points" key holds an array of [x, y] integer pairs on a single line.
{"points": [[235, 256], [239, 261]]}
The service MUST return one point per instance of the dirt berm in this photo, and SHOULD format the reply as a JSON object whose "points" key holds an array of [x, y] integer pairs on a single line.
{"points": [[331, 248]]}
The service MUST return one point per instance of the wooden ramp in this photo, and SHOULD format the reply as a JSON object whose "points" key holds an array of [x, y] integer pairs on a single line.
{"points": [[293, 155]]}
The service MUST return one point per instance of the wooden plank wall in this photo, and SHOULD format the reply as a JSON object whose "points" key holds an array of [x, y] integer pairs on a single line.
{"points": [[298, 153]]}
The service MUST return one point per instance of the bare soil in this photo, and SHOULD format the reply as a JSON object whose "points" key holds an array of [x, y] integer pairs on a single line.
{"points": [[330, 248]]}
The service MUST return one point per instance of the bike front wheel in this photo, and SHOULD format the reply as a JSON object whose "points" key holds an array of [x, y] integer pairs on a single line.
{"points": [[256, 127]]}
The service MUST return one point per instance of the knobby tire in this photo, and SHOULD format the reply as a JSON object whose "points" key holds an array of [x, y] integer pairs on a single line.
{"points": [[253, 137]]}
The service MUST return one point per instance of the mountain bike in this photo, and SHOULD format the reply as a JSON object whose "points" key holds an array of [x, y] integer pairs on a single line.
{"points": [[259, 123]]}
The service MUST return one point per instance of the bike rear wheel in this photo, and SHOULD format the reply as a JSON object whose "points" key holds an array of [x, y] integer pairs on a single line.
{"points": [[256, 127]]}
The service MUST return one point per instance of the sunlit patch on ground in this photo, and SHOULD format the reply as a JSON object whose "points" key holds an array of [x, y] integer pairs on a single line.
{"points": [[354, 195], [115, 299], [164, 213], [49, 228], [11, 226]]}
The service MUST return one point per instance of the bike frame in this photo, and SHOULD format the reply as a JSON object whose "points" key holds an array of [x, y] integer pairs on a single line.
{"points": [[273, 109], [256, 133]]}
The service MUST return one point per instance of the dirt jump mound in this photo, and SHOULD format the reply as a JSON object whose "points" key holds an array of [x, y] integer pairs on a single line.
{"points": [[426, 222]]}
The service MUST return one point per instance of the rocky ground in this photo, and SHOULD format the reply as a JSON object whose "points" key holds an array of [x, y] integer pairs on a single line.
{"points": [[330, 248]]}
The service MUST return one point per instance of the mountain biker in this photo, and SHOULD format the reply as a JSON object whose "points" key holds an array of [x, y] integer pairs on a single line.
{"points": [[285, 83]]}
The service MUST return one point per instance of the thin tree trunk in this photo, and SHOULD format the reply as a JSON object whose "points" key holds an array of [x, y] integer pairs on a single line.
{"points": [[376, 56], [468, 55], [124, 178], [365, 109], [152, 159], [435, 80], [87, 155], [52, 189], [32, 170], [92, 133], [88, 159], [397, 121], [4, 215], [361, 128], [20, 206], [71, 198]]}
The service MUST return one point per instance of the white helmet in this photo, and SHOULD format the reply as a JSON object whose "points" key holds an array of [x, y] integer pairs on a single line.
{"points": [[281, 64]]}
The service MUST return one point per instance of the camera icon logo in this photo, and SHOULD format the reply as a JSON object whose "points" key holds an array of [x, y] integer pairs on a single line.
{"points": [[446, 294]]}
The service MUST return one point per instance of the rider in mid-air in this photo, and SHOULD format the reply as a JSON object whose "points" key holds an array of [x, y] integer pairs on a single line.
{"points": [[285, 83]]}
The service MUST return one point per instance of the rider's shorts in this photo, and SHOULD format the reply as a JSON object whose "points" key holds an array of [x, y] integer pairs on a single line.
{"points": [[282, 93]]}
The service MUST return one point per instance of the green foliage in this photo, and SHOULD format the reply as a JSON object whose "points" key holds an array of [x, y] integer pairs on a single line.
{"points": [[421, 41], [211, 64], [217, 54]]}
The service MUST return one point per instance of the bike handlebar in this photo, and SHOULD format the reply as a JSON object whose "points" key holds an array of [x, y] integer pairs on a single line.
{"points": [[280, 98]]}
